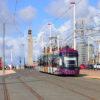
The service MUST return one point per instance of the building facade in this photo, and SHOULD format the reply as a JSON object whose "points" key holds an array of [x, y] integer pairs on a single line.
{"points": [[82, 49], [86, 53]]}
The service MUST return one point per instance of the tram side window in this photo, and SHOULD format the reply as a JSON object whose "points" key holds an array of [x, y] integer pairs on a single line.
{"points": [[54, 63], [59, 62]]}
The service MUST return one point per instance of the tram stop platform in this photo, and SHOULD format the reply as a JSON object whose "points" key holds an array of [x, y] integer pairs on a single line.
{"points": [[6, 72]]}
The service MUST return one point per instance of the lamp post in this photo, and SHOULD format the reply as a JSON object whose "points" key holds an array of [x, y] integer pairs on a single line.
{"points": [[22, 58], [3, 48], [74, 23]]}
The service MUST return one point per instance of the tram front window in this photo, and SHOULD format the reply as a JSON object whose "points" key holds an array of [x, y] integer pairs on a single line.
{"points": [[70, 62]]}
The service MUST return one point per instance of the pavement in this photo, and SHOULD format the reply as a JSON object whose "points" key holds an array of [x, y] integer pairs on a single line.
{"points": [[32, 85], [6, 72], [91, 73]]}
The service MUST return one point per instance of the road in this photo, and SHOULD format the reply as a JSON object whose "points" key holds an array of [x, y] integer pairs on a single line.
{"points": [[33, 85]]}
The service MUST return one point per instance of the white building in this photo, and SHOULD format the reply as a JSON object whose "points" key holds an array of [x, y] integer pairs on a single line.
{"points": [[86, 53]]}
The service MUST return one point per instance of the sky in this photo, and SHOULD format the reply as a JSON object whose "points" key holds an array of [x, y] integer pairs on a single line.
{"points": [[21, 15]]}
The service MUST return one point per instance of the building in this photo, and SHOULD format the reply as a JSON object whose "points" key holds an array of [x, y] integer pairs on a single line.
{"points": [[90, 53], [82, 49], [86, 53], [30, 48]]}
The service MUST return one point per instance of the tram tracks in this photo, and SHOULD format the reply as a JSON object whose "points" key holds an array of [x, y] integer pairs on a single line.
{"points": [[59, 84], [73, 82], [29, 88], [5, 90], [33, 92]]}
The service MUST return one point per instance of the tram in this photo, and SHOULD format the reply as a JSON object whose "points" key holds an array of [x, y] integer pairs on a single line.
{"points": [[62, 62]]}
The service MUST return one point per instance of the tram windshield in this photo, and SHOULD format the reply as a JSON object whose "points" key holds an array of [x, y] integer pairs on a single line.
{"points": [[70, 62]]}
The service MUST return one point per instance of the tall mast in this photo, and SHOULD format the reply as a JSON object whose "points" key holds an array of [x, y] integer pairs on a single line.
{"points": [[74, 23], [3, 48]]}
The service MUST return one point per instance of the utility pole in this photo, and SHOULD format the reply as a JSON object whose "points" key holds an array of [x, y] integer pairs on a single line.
{"points": [[23, 54], [74, 23], [20, 61], [11, 59], [3, 48]]}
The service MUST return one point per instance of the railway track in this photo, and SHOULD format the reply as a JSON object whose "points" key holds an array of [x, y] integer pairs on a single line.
{"points": [[72, 82], [33, 92], [59, 84], [5, 90], [18, 77]]}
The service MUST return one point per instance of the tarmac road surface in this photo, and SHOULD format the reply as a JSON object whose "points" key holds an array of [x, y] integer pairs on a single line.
{"points": [[33, 85]]}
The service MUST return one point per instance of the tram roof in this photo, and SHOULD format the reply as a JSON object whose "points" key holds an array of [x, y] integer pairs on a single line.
{"points": [[68, 49]]}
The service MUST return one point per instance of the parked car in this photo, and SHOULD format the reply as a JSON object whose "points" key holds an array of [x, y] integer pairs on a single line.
{"points": [[97, 66], [90, 66], [82, 66]]}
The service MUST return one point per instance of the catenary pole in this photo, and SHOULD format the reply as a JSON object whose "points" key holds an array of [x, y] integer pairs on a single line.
{"points": [[74, 24], [3, 48]]}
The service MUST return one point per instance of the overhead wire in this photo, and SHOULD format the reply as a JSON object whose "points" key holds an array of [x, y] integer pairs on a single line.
{"points": [[66, 11], [14, 20], [18, 30], [60, 17], [63, 14]]}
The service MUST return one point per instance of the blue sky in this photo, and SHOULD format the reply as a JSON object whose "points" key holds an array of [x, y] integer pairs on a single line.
{"points": [[36, 13], [41, 16], [93, 2]]}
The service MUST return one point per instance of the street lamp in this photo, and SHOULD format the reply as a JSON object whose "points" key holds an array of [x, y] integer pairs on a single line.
{"points": [[3, 48]]}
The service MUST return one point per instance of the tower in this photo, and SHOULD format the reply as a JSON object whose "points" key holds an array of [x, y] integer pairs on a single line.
{"points": [[30, 48]]}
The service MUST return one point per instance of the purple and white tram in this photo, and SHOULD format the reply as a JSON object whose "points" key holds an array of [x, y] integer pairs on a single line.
{"points": [[65, 62]]}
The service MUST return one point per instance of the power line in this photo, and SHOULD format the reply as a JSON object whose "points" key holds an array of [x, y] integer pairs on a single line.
{"points": [[63, 14]]}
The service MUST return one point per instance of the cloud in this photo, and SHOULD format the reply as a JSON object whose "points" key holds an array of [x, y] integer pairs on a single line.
{"points": [[98, 4], [92, 11], [65, 27], [27, 13], [64, 32], [58, 8], [4, 12], [14, 45], [7, 17]]}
